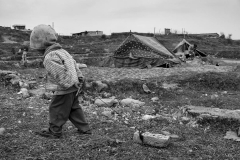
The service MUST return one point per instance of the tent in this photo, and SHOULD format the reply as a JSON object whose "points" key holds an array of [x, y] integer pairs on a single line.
{"points": [[141, 51], [183, 46]]}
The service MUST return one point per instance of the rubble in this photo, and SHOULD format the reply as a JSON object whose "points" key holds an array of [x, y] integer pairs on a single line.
{"points": [[2, 130], [155, 99], [146, 89], [232, 136], [37, 92], [24, 92], [155, 140], [147, 117], [206, 112], [131, 102], [81, 65], [105, 102], [100, 86], [107, 112]]}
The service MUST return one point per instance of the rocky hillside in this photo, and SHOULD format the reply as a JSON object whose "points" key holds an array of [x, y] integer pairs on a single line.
{"points": [[98, 46]]}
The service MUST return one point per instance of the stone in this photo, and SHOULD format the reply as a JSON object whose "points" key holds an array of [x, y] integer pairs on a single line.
{"points": [[147, 117], [106, 95], [232, 136], [100, 86], [207, 112], [169, 86], [37, 92], [130, 102], [88, 85], [107, 102], [107, 112], [151, 139], [25, 93], [81, 65], [15, 82], [185, 119], [32, 84], [155, 99], [145, 88], [148, 110], [2, 130], [17, 65]]}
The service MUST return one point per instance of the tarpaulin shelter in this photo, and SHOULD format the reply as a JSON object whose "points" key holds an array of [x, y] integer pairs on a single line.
{"points": [[184, 46], [141, 51]]}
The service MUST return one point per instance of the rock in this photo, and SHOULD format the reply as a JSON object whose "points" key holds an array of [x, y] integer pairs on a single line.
{"points": [[146, 89], [155, 140], [23, 85], [185, 119], [17, 65], [136, 137], [147, 117], [32, 84], [88, 85], [37, 92], [25, 93], [131, 102], [81, 65], [2, 130], [12, 76], [107, 102], [106, 95], [170, 86], [213, 112], [100, 86], [148, 110], [214, 96], [15, 82], [107, 112], [232, 135], [155, 99]]}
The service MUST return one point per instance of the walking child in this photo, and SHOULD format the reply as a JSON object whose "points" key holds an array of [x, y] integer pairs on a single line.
{"points": [[64, 79]]}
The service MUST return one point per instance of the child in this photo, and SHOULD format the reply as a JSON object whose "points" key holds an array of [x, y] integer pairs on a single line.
{"points": [[65, 81]]}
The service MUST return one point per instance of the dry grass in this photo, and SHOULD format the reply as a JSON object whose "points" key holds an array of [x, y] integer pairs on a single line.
{"points": [[22, 117]]}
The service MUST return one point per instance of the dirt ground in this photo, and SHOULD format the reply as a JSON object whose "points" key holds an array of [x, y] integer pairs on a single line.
{"points": [[112, 135]]}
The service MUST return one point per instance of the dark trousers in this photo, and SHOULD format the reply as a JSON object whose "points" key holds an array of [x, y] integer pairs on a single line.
{"points": [[64, 107]]}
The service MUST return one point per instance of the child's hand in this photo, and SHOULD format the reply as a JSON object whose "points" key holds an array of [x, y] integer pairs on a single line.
{"points": [[78, 85], [81, 79]]}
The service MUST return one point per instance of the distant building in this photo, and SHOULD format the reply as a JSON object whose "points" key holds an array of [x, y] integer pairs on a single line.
{"points": [[88, 33], [209, 35], [19, 27], [167, 31]]}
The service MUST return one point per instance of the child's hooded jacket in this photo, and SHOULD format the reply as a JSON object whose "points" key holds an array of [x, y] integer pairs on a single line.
{"points": [[62, 71]]}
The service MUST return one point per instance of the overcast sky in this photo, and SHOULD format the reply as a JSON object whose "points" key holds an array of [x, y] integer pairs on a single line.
{"points": [[71, 16]]}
